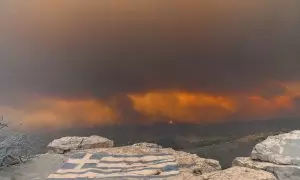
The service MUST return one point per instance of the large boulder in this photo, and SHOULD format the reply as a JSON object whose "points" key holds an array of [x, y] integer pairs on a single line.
{"points": [[238, 173], [281, 149], [67, 144], [278, 154], [282, 172]]}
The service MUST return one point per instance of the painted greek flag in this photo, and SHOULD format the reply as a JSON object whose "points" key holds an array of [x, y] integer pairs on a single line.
{"points": [[96, 166]]}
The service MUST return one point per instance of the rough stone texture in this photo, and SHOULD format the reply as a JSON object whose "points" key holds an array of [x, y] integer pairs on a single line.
{"points": [[281, 149], [238, 173], [278, 154], [147, 145], [186, 161], [14, 149], [46, 164], [105, 166], [36, 169], [67, 144], [282, 172]]}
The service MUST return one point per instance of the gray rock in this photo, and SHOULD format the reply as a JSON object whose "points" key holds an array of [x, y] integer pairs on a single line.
{"points": [[282, 172], [67, 144], [238, 173], [36, 169], [278, 154], [281, 149], [147, 145], [14, 149]]}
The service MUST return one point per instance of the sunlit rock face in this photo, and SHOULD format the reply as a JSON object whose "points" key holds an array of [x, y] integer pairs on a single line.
{"points": [[282, 172], [277, 154], [283, 149], [241, 173], [67, 144]]}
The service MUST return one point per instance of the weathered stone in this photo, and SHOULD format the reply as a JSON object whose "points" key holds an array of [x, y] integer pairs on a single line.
{"points": [[46, 164], [238, 173], [96, 142], [278, 154], [281, 149], [67, 144], [147, 145], [282, 172], [123, 166], [188, 163], [36, 169], [14, 149]]}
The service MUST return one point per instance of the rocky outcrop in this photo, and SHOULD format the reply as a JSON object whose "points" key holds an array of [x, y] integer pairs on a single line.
{"points": [[67, 144], [282, 172], [278, 154], [280, 149], [188, 163], [238, 173]]}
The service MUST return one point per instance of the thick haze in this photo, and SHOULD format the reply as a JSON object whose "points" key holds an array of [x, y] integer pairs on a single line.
{"points": [[179, 60]]}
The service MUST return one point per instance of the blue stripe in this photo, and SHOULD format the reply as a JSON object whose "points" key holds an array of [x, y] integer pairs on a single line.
{"points": [[164, 169], [141, 165], [118, 178]]}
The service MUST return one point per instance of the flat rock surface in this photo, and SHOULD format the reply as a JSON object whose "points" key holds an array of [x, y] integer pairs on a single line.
{"points": [[186, 161], [37, 169], [67, 144], [107, 166], [177, 165], [281, 149], [282, 172], [238, 173]]}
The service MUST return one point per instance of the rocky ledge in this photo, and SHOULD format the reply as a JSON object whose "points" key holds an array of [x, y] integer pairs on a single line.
{"points": [[276, 158], [190, 166], [278, 154]]}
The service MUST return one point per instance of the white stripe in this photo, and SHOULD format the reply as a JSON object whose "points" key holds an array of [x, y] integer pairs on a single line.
{"points": [[96, 175], [144, 158], [148, 159], [83, 161], [120, 165]]}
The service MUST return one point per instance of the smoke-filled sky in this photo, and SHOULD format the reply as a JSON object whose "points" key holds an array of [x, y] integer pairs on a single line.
{"points": [[73, 62]]}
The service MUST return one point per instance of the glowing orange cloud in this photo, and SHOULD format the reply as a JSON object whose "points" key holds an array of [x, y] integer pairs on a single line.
{"points": [[155, 106], [183, 106], [258, 107], [54, 113]]}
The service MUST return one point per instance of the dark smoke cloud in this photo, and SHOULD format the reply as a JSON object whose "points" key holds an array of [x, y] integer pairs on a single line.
{"points": [[103, 49]]}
